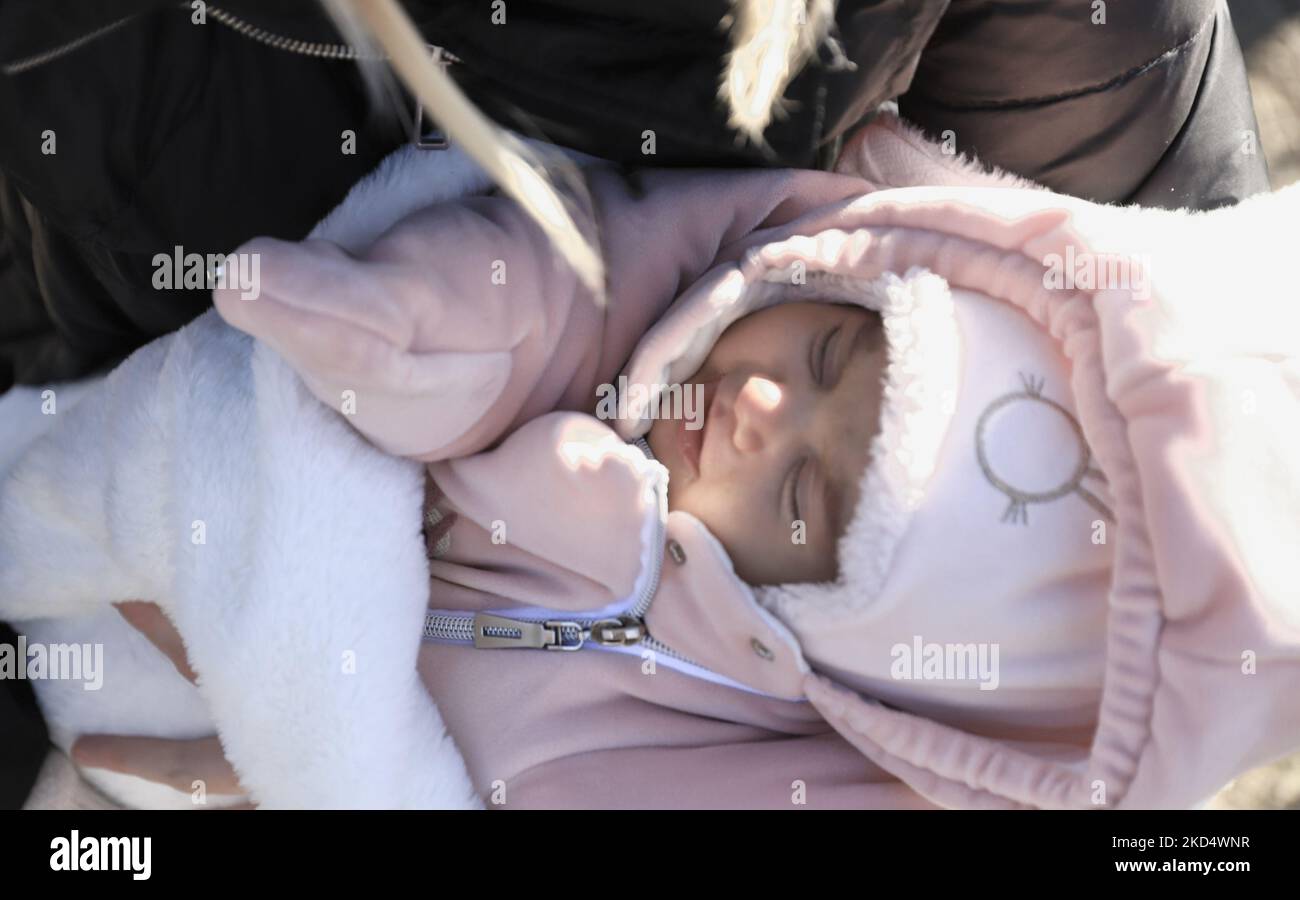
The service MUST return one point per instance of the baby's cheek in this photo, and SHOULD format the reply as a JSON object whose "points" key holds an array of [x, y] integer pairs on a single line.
{"points": [[748, 541]]}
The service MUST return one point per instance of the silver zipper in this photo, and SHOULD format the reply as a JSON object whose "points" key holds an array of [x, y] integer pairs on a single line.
{"points": [[290, 45], [45, 56], [552, 630], [221, 16], [305, 48], [247, 29], [433, 141]]}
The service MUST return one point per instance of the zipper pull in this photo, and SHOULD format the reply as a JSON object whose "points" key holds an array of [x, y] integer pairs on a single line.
{"points": [[497, 632], [621, 632]]}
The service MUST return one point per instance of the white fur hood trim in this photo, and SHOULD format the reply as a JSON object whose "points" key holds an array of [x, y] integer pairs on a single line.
{"points": [[920, 389]]}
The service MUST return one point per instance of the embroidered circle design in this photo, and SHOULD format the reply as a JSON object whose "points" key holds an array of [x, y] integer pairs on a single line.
{"points": [[1018, 498]]}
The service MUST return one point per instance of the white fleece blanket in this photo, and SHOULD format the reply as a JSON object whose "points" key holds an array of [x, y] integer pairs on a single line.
{"points": [[201, 475]]}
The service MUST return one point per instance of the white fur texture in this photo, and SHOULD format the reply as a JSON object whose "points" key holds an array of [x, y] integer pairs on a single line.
{"points": [[301, 608]]}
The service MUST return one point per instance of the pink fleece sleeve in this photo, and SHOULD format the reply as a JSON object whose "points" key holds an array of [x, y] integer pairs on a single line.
{"points": [[425, 340], [461, 322], [562, 467]]}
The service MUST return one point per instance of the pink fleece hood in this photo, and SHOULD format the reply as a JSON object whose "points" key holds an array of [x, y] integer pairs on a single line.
{"points": [[953, 597], [1133, 569]]}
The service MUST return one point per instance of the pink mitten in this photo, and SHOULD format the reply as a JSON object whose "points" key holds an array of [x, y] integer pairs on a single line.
{"points": [[415, 339]]}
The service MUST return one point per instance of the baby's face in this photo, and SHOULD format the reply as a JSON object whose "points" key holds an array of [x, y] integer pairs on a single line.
{"points": [[792, 398]]}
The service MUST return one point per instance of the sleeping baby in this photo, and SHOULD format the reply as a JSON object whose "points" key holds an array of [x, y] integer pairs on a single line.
{"points": [[824, 431]]}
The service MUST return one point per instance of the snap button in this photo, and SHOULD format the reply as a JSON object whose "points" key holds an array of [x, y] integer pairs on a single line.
{"points": [[676, 552], [761, 649]]}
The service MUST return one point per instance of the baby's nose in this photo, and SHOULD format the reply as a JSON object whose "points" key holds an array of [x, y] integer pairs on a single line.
{"points": [[759, 411]]}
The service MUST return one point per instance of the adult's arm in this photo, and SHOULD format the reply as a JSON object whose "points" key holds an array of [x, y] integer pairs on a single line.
{"points": [[164, 133]]}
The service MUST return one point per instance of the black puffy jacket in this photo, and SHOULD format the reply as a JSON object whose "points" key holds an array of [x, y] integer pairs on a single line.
{"points": [[169, 133]]}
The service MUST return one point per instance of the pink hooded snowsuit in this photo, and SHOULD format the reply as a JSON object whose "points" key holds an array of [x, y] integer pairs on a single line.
{"points": [[687, 691]]}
